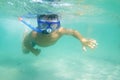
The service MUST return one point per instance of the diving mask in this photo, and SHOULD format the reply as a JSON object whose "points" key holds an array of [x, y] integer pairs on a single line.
{"points": [[47, 27]]}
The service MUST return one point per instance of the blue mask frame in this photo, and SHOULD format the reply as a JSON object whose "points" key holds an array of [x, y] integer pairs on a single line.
{"points": [[48, 26]]}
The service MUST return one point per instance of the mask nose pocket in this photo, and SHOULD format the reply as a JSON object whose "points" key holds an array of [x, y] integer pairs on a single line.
{"points": [[49, 30]]}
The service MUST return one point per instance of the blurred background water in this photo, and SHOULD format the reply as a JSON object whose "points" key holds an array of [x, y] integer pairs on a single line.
{"points": [[98, 19]]}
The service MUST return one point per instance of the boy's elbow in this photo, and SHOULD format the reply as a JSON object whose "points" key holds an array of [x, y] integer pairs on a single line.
{"points": [[74, 32], [26, 43], [70, 32]]}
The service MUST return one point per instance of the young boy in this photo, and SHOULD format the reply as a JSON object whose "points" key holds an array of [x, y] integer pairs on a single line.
{"points": [[48, 33]]}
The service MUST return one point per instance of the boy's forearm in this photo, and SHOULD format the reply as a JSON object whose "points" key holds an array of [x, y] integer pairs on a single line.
{"points": [[27, 43], [77, 35], [29, 46], [72, 32]]}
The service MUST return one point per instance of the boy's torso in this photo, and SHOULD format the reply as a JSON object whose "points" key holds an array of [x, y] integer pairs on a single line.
{"points": [[44, 40]]}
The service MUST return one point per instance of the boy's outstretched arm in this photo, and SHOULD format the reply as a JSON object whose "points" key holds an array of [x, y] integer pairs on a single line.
{"points": [[85, 42]]}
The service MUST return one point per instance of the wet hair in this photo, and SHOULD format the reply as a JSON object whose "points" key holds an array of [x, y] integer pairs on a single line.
{"points": [[48, 17]]}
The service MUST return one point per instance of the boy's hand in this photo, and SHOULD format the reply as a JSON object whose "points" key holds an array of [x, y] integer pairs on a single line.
{"points": [[36, 51], [88, 43]]}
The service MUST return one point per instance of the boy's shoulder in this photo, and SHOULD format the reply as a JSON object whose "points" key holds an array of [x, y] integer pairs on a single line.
{"points": [[33, 34], [61, 29]]}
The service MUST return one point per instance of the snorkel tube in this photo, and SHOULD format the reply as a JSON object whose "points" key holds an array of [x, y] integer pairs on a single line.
{"points": [[30, 26]]}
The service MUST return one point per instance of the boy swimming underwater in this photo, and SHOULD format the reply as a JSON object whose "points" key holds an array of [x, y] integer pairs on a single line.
{"points": [[48, 33]]}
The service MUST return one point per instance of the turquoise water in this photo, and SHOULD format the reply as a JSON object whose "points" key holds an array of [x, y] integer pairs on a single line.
{"points": [[65, 60]]}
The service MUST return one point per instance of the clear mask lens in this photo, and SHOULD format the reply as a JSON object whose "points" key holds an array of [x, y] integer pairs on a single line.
{"points": [[43, 26], [54, 26]]}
